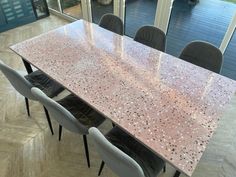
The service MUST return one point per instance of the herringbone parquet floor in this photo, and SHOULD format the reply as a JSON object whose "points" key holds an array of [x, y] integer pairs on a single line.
{"points": [[28, 150]]}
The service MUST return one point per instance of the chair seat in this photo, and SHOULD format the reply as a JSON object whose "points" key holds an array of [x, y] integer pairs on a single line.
{"points": [[81, 111], [43, 82], [150, 163]]}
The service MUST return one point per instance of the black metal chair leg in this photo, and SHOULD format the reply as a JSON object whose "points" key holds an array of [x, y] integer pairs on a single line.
{"points": [[86, 150], [27, 106], [177, 173], [49, 120], [60, 132], [101, 168], [27, 66], [164, 168]]}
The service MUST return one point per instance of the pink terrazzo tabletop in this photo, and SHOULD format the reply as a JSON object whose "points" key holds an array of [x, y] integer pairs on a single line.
{"points": [[168, 104]]}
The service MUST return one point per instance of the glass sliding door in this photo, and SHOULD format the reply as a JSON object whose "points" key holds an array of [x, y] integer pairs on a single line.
{"points": [[191, 20], [53, 4], [139, 13], [99, 8], [229, 65], [72, 8]]}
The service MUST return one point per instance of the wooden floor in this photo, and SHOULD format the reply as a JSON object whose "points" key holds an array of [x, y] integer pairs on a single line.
{"points": [[74, 11], [27, 148]]}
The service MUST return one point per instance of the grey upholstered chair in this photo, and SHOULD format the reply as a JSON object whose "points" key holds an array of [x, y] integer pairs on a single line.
{"points": [[112, 23], [124, 155], [152, 37], [204, 55], [71, 113], [24, 84]]}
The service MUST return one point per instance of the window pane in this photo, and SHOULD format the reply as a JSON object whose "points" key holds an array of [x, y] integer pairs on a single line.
{"points": [[229, 66], [40, 8], [139, 13], [53, 4], [190, 20], [72, 8], [99, 8]]}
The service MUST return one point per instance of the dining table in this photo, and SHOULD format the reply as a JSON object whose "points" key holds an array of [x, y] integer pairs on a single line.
{"points": [[169, 105]]}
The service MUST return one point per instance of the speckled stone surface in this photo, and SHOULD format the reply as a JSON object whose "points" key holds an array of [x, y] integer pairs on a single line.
{"points": [[168, 104]]}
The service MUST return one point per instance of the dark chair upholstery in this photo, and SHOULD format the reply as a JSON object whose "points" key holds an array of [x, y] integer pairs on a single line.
{"points": [[81, 111], [71, 113], [40, 80], [152, 37], [150, 163], [112, 23], [134, 159], [203, 54], [23, 85]]}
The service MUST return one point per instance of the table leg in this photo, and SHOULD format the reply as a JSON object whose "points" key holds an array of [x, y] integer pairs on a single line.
{"points": [[177, 173], [27, 66]]}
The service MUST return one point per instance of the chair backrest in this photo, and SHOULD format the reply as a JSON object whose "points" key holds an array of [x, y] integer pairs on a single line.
{"points": [[112, 23], [204, 55], [117, 160], [59, 113], [17, 81], [152, 37]]}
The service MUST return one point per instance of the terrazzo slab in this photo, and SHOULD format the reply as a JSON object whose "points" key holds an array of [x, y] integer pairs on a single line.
{"points": [[169, 105]]}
